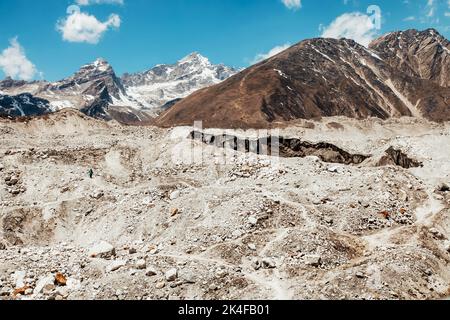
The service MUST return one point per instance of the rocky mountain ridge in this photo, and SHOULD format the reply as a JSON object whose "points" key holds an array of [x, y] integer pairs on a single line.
{"points": [[328, 77], [97, 91]]}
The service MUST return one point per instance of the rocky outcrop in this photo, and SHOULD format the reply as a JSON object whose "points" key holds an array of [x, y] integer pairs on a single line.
{"points": [[398, 158], [8, 83], [23, 105]]}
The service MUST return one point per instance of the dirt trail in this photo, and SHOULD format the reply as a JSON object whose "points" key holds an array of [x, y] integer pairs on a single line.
{"points": [[430, 208]]}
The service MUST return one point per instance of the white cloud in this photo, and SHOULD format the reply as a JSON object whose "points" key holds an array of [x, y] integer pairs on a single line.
{"points": [[410, 18], [90, 2], [83, 27], [292, 4], [355, 25], [274, 51], [14, 62]]}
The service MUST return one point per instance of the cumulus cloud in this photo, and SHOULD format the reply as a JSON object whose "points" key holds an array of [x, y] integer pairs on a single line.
{"points": [[90, 2], [292, 4], [410, 18], [14, 62], [83, 27], [355, 25], [274, 51]]}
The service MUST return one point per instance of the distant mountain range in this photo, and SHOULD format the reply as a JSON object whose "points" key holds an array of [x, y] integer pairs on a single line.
{"points": [[98, 92], [403, 73]]}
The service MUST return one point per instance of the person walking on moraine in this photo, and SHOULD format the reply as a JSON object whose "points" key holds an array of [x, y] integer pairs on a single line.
{"points": [[91, 173]]}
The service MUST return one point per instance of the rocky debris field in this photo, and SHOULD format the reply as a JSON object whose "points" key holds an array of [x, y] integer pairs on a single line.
{"points": [[150, 226]]}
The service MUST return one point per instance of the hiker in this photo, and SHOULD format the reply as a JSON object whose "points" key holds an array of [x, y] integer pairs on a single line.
{"points": [[91, 173]]}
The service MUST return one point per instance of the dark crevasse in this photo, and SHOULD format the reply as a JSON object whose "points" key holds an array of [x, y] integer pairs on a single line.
{"points": [[280, 146], [296, 148], [399, 158]]}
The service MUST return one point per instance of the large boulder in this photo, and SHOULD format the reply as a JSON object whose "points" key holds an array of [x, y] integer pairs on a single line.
{"points": [[103, 250]]}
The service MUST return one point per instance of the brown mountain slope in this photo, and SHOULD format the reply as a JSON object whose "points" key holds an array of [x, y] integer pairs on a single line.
{"points": [[422, 54], [315, 78]]}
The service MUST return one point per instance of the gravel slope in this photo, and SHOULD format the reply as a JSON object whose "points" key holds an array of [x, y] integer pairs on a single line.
{"points": [[304, 229]]}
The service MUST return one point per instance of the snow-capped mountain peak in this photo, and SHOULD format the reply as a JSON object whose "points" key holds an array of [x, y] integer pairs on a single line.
{"points": [[98, 67], [100, 61], [195, 58], [165, 83], [99, 64]]}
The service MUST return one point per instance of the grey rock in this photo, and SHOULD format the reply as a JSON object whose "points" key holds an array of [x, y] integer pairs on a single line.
{"points": [[13, 181], [221, 273], [19, 279], [443, 187], [333, 169], [256, 264], [313, 260], [236, 233], [174, 195], [42, 282], [268, 263], [150, 272], [187, 276], [116, 265], [102, 250], [435, 232], [253, 221], [447, 246], [171, 275], [97, 195], [141, 264], [48, 288]]}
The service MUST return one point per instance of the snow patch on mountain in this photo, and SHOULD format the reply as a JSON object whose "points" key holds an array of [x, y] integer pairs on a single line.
{"points": [[60, 104], [164, 83]]}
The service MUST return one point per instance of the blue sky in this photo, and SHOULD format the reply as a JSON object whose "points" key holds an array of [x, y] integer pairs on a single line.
{"points": [[38, 38]]}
